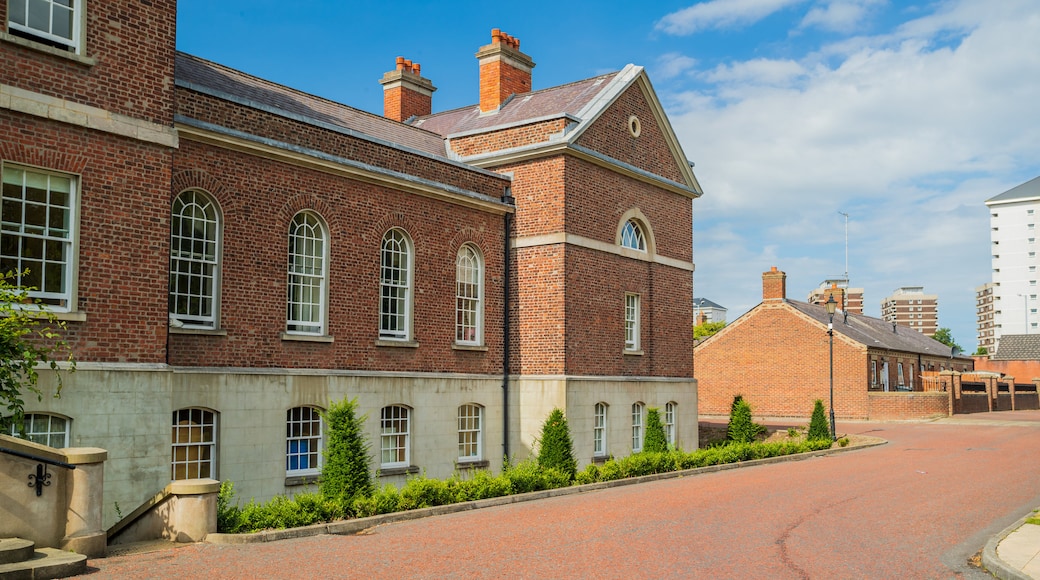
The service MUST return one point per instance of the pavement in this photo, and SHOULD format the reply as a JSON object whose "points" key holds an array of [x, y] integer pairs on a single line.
{"points": [[1014, 554]]}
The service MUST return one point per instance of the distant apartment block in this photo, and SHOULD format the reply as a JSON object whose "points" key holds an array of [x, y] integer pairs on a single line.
{"points": [[1012, 219], [910, 306], [984, 312], [705, 310], [848, 299]]}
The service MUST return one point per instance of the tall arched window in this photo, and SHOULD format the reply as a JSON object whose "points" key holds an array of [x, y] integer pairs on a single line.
{"points": [[194, 444], [470, 432], [599, 431], [669, 421], [395, 436], [303, 441], [395, 286], [469, 296], [308, 265], [194, 259], [632, 236], [637, 427]]}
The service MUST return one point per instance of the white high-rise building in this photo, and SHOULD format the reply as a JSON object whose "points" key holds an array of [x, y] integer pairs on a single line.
{"points": [[1014, 216]]}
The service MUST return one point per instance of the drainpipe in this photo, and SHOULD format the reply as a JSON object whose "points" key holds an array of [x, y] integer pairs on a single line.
{"points": [[506, 337]]}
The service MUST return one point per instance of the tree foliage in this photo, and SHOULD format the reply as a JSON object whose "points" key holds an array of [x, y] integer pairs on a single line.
{"points": [[30, 336], [819, 428], [555, 449], [707, 329], [345, 474], [655, 440], [981, 351], [945, 336], [741, 428]]}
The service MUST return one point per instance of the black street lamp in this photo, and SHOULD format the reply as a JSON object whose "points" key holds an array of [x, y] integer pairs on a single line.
{"points": [[831, 305]]}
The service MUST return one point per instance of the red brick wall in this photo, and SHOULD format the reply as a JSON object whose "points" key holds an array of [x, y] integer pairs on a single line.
{"points": [[903, 406], [258, 198], [539, 189], [778, 361], [1024, 371], [124, 232], [499, 80], [400, 103], [133, 44], [540, 327], [610, 135], [507, 138]]}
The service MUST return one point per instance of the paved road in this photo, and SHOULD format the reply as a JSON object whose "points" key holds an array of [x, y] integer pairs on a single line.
{"points": [[918, 507]]}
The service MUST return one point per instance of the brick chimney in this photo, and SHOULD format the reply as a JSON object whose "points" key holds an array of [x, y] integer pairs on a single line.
{"points": [[504, 70], [774, 285], [405, 93], [837, 293]]}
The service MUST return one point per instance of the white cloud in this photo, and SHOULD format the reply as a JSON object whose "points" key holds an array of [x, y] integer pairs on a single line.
{"points": [[672, 65], [720, 14], [909, 132], [839, 15]]}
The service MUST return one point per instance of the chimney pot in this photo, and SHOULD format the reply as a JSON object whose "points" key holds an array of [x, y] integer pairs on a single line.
{"points": [[406, 95], [400, 63], [503, 73], [774, 285]]}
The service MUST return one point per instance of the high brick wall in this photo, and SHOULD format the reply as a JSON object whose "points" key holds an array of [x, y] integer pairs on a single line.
{"points": [[124, 232], [905, 406], [610, 135], [538, 322], [508, 138], [258, 198], [778, 360], [132, 44], [539, 189]]}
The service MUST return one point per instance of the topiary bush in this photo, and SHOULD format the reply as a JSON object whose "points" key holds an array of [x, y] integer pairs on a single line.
{"points": [[345, 476], [655, 441], [555, 450], [229, 515], [741, 428], [819, 428]]}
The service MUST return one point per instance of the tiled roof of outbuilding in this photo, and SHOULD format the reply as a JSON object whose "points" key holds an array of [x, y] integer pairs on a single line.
{"points": [[1018, 347], [874, 332], [195, 73]]}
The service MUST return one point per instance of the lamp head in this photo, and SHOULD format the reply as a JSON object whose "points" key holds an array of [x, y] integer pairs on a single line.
{"points": [[831, 305]]}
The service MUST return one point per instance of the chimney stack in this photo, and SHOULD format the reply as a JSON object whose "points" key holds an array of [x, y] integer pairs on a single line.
{"points": [[774, 286], [504, 71], [405, 93]]}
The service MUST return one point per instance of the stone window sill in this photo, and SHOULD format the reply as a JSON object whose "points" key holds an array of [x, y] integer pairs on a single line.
{"points": [[39, 46], [308, 479], [398, 343], [633, 353], [199, 331], [469, 347], [307, 337], [391, 471], [465, 465], [600, 459]]}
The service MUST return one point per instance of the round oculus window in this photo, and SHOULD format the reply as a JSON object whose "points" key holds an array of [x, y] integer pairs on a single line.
{"points": [[634, 127]]}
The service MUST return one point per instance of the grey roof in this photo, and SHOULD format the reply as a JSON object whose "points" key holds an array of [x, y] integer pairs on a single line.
{"points": [[874, 332], [705, 303], [1028, 190], [1018, 347], [557, 101], [198, 74]]}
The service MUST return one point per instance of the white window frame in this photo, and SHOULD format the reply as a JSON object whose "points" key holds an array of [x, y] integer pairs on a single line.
{"points": [[48, 249], [599, 430], [304, 441], [395, 286], [190, 269], [638, 414], [308, 266], [669, 421], [395, 424], [632, 236], [196, 424], [471, 432], [632, 316], [45, 429], [469, 296], [74, 12]]}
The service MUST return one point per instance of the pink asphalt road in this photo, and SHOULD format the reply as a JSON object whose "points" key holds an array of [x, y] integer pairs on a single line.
{"points": [[918, 507]]}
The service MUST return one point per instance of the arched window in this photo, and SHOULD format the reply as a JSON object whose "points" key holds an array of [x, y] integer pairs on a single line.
{"points": [[194, 260], [395, 285], [395, 436], [308, 274], [45, 429], [194, 444], [469, 296], [669, 421], [632, 236], [599, 430], [637, 427], [470, 432], [303, 441]]}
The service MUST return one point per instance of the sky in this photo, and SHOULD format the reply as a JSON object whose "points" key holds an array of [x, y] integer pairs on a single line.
{"points": [[906, 115]]}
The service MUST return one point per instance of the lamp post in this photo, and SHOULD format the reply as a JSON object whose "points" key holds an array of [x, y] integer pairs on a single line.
{"points": [[831, 305]]}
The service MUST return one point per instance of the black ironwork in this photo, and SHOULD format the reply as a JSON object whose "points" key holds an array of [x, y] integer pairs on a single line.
{"points": [[41, 478]]}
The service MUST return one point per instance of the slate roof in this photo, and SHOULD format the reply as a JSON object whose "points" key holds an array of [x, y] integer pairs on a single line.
{"points": [[874, 332], [1018, 347], [705, 303], [1028, 190], [557, 101], [199, 74]]}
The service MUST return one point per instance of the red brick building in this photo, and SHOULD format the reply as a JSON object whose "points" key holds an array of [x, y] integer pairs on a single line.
{"points": [[232, 255], [777, 356]]}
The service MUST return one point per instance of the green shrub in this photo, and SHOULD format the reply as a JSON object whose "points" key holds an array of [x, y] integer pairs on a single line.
{"points": [[421, 492], [482, 485], [792, 432], [528, 476], [655, 441], [229, 515], [345, 475], [741, 428], [819, 428], [384, 501], [588, 475], [555, 450], [843, 442]]}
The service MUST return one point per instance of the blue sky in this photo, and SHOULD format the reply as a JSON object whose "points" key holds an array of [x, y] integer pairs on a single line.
{"points": [[906, 115]]}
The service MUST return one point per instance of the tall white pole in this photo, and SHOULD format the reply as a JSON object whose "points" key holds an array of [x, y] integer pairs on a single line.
{"points": [[845, 294]]}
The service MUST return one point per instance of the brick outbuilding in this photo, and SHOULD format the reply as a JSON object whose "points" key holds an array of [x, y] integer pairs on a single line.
{"points": [[777, 356]]}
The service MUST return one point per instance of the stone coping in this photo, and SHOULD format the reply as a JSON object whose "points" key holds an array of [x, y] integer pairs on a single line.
{"points": [[84, 455], [357, 525]]}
